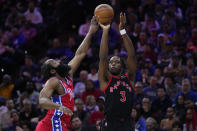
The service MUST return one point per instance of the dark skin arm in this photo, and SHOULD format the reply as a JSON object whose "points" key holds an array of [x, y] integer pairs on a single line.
{"points": [[83, 48], [103, 74], [47, 92], [131, 61]]}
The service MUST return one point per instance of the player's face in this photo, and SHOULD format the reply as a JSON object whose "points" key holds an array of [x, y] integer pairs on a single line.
{"points": [[115, 65], [61, 68]]}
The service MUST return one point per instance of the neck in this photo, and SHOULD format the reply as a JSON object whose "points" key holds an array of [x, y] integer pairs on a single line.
{"points": [[79, 129], [116, 75], [162, 98]]}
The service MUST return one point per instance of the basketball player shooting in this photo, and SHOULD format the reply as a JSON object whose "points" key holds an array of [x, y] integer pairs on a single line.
{"points": [[116, 85], [57, 95]]}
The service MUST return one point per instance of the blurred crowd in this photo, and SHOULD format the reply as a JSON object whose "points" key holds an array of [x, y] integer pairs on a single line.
{"points": [[164, 34]]}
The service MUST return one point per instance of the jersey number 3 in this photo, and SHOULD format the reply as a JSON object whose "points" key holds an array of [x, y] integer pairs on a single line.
{"points": [[123, 96]]}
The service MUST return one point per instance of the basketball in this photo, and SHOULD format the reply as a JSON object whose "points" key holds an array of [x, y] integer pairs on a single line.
{"points": [[105, 13]]}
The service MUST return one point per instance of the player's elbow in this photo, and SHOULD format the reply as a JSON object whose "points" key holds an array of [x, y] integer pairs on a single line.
{"points": [[42, 102]]}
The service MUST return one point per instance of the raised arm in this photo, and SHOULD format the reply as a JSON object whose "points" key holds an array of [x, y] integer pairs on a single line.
{"points": [[83, 48], [103, 74], [131, 61]]}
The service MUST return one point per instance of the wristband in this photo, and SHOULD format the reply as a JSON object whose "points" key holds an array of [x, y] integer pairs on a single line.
{"points": [[122, 32]]}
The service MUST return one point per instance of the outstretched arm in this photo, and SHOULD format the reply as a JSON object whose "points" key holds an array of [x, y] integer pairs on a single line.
{"points": [[131, 61], [83, 48], [103, 53]]}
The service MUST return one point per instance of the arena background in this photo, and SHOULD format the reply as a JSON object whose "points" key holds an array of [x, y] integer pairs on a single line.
{"points": [[164, 34]]}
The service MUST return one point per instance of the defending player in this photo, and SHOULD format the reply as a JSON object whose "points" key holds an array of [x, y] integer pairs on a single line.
{"points": [[57, 94]]}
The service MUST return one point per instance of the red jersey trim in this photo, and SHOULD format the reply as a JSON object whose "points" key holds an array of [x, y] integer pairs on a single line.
{"points": [[129, 80], [115, 76], [107, 84], [52, 78]]}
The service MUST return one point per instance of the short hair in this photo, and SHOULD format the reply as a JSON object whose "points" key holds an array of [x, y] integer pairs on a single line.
{"points": [[45, 70], [26, 101], [186, 80], [74, 116], [161, 87], [177, 123], [152, 120]]}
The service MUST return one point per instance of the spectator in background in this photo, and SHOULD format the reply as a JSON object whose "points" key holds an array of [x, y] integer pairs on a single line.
{"points": [[160, 44], [29, 66], [76, 123], [177, 126], [6, 86], [90, 104], [186, 91], [79, 109], [190, 67], [138, 121], [171, 87], [177, 12], [160, 105], [150, 66], [180, 74], [28, 31], [192, 41], [149, 53], [33, 15], [179, 108], [166, 124], [12, 19], [90, 90], [28, 112], [151, 124], [153, 36], [98, 115], [15, 121], [84, 28], [26, 126], [93, 75], [159, 13], [146, 107], [20, 84], [139, 95], [135, 34], [57, 51], [191, 120], [150, 23], [17, 38], [31, 93], [6, 120], [175, 63], [194, 81], [70, 47], [80, 85], [151, 90], [158, 75], [142, 41]]}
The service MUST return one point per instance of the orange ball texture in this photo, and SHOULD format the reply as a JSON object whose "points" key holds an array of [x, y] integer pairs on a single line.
{"points": [[105, 13]]}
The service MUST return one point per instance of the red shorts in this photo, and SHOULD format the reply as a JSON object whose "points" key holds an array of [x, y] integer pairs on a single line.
{"points": [[47, 125]]}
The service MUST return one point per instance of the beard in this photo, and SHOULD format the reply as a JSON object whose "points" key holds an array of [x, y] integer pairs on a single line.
{"points": [[63, 69]]}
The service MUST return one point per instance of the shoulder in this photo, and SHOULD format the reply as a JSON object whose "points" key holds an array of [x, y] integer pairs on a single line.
{"points": [[53, 81]]}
